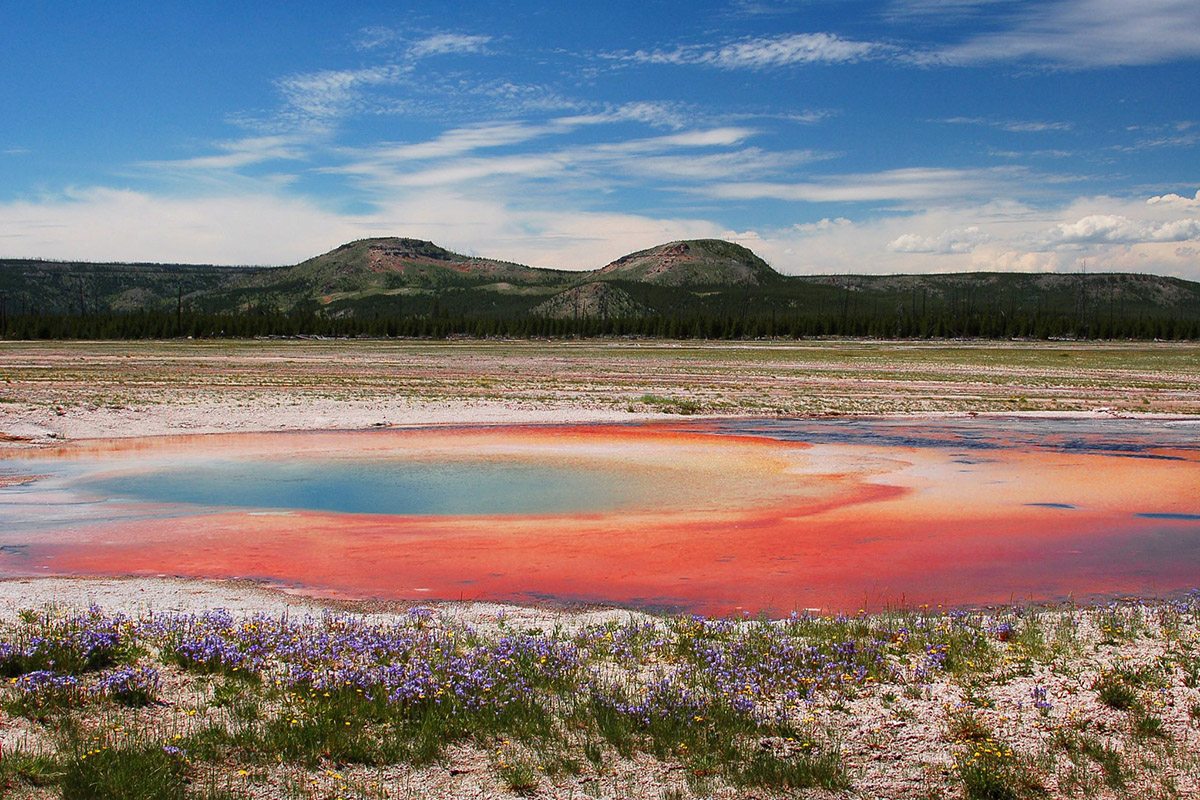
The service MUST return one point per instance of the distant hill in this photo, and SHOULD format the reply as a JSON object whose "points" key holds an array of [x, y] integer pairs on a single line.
{"points": [[702, 262], [706, 287], [72, 287], [370, 264], [368, 271]]}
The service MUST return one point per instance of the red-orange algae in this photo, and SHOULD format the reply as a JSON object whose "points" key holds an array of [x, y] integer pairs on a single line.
{"points": [[764, 526]]}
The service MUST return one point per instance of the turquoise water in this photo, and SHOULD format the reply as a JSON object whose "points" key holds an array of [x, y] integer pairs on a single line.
{"points": [[348, 486], [375, 487]]}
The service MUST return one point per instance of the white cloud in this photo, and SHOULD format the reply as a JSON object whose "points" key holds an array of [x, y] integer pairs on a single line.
{"points": [[809, 117], [712, 137], [933, 10], [1089, 34], [487, 135], [958, 240], [659, 115], [759, 8], [802, 48], [822, 225], [101, 224], [241, 153], [919, 183], [763, 52], [1117, 229], [449, 44], [459, 141], [1034, 126], [376, 37], [1017, 154], [452, 158], [994, 236], [267, 228], [469, 170], [1012, 125], [720, 166], [331, 93], [1175, 200]]}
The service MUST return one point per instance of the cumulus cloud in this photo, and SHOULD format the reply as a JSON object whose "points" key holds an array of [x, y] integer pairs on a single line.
{"points": [[764, 52], [958, 240], [1116, 229], [1003, 236], [262, 226], [104, 224], [822, 225], [1175, 200]]}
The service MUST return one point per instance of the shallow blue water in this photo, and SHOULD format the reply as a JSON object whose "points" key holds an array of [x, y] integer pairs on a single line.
{"points": [[375, 487], [1124, 438]]}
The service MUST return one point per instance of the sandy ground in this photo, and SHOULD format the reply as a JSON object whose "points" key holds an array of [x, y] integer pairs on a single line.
{"points": [[137, 596], [202, 415], [74, 390]]}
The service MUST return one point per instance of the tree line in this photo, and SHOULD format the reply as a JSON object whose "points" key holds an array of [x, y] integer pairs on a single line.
{"points": [[944, 323]]}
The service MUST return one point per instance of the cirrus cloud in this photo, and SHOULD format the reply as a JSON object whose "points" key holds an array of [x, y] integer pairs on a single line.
{"points": [[330, 93], [1082, 34], [449, 44], [763, 52]]}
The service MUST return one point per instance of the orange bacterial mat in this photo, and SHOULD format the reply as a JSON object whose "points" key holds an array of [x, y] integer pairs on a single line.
{"points": [[715, 517]]}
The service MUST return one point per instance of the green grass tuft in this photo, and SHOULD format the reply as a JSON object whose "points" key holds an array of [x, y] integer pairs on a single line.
{"points": [[133, 773]]}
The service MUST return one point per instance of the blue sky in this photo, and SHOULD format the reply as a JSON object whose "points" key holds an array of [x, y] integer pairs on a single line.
{"points": [[827, 135]]}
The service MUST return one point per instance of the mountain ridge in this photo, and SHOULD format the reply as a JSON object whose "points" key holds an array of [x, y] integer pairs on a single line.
{"points": [[701, 280]]}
